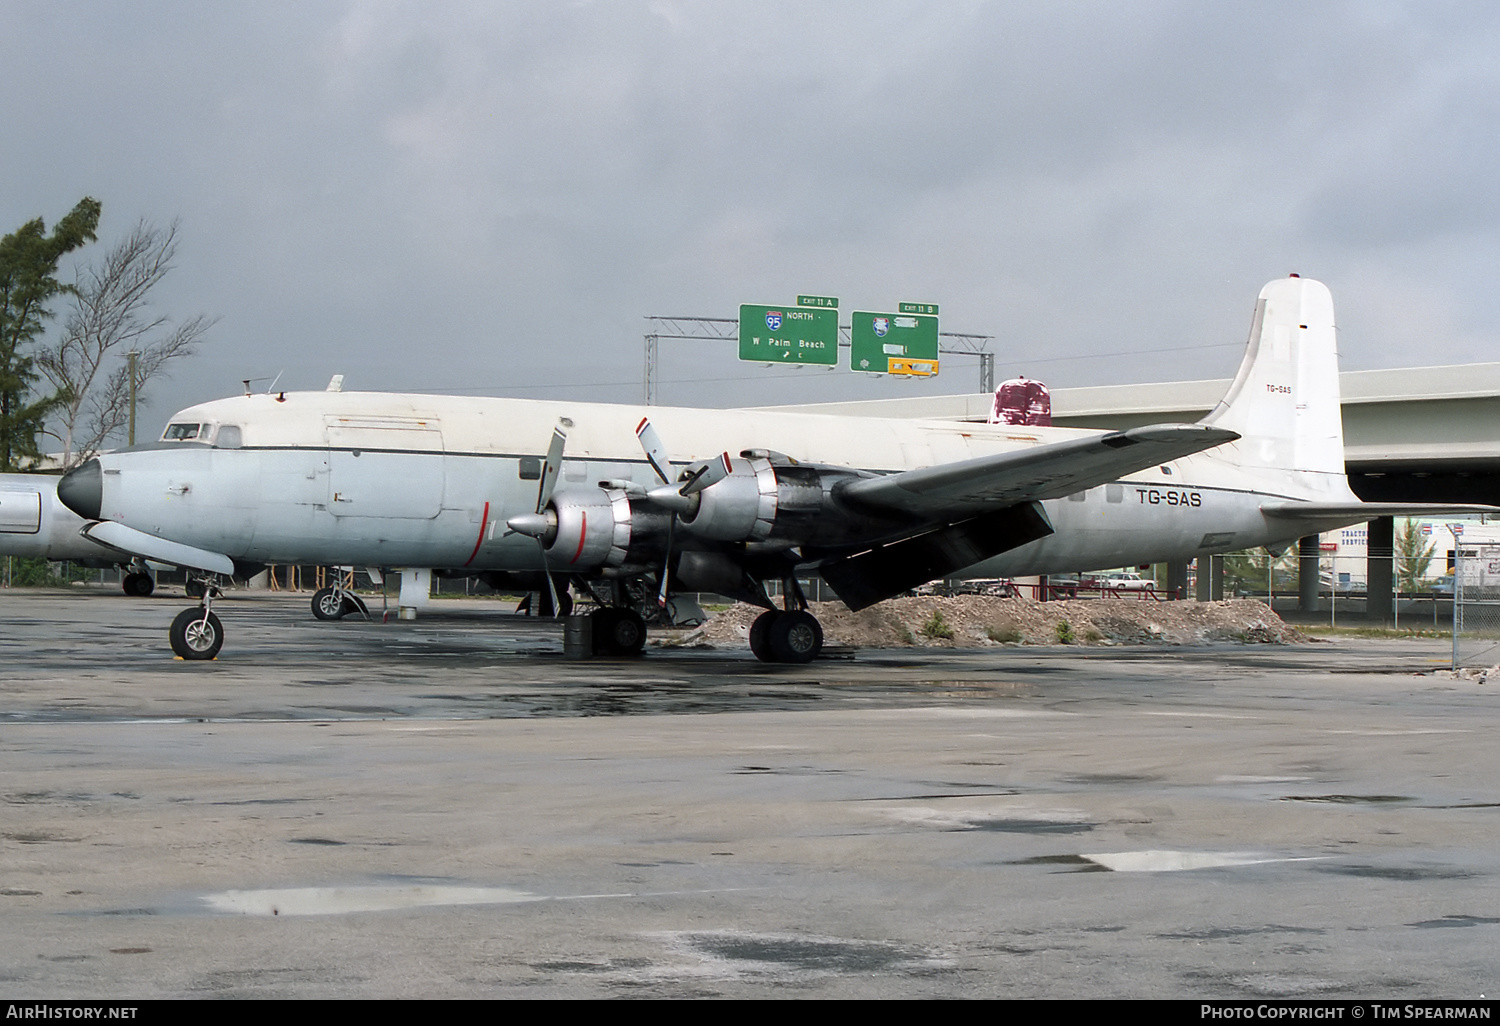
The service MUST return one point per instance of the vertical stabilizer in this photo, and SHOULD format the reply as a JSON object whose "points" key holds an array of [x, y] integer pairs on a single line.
{"points": [[1285, 399]]}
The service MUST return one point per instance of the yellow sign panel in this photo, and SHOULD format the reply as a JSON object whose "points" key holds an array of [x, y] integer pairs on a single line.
{"points": [[916, 368]]}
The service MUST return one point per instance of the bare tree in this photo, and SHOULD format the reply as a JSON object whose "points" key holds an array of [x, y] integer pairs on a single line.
{"points": [[110, 318]]}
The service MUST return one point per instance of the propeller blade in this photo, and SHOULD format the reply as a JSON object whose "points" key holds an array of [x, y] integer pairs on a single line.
{"points": [[705, 474], [666, 565], [656, 453], [551, 468], [552, 588]]}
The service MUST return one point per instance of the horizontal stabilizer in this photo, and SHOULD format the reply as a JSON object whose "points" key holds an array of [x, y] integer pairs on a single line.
{"points": [[149, 546], [1359, 512], [1048, 471]]}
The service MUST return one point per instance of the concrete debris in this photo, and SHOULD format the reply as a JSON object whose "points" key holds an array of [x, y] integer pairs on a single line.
{"points": [[1479, 674], [975, 621]]}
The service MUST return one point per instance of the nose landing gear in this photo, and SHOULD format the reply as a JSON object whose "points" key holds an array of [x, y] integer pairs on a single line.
{"points": [[196, 633]]}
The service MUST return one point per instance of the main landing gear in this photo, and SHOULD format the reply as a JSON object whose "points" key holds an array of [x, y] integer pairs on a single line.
{"points": [[618, 632], [335, 603], [790, 635], [138, 585], [196, 633]]}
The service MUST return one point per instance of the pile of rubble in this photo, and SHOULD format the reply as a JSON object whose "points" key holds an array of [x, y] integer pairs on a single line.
{"points": [[975, 621]]}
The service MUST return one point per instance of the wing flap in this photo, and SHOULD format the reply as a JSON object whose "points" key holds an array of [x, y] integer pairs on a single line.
{"points": [[1046, 471]]}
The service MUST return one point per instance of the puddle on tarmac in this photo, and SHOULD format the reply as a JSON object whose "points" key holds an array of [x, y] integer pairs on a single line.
{"points": [[1077, 863], [772, 952], [1231, 932], [1349, 799], [1398, 872], [317, 901], [1007, 821], [1455, 922]]}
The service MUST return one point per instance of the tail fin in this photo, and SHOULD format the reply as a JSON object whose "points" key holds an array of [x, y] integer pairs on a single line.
{"points": [[1285, 399]]}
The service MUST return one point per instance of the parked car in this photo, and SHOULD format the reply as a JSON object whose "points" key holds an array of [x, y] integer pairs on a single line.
{"points": [[1126, 580]]}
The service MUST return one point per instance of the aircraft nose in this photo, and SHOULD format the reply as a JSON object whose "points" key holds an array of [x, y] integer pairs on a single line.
{"points": [[82, 490]]}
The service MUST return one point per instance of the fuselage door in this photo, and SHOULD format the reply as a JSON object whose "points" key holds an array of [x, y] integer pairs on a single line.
{"points": [[20, 512], [387, 467]]}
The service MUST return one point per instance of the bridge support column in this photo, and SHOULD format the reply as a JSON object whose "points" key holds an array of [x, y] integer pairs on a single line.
{"points": [[1380, 561], [1210, 578], [1308, 554], [1177, 579]]}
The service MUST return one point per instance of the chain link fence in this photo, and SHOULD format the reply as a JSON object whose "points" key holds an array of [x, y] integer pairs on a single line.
{"points": [[1476, 604]]}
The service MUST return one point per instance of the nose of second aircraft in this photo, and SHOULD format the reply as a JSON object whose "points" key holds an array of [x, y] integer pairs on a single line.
{"points": [[82, 490]]}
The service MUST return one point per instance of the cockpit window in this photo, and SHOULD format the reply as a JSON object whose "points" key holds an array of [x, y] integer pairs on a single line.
{"points": [[228, 436], [180, 433]]}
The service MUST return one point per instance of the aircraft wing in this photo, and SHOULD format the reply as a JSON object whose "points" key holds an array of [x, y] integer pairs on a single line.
{"points": [[1047, 471]]}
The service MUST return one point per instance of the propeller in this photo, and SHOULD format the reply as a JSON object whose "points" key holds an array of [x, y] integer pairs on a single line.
{"points": [[536, 524], [674, 494]]}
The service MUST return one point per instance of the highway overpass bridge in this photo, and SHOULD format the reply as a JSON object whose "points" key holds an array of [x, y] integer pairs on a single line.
{"points": [[1413, 434]]}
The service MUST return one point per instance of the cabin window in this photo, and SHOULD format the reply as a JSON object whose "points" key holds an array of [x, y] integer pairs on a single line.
{"points": [[530, 468], [1114, 493], [1078, 496], [228, 437], [180, 433]]}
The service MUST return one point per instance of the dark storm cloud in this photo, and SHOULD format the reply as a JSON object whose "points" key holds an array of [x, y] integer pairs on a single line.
{"points": [[491, 196]]}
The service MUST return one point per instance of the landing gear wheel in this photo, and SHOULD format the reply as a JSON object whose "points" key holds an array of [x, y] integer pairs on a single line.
{"points": [[194, 589], [619, 632], [138, 585], [328, 604], [760, 635], [197, 634], [795, 637], [564, 604]]}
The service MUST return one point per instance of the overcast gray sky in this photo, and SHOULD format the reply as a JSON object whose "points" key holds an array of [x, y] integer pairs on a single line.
{"points": [[489, 197]]}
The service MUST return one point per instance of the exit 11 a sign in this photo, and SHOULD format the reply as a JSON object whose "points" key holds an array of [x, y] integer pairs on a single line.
{"points": [[789, 334]]}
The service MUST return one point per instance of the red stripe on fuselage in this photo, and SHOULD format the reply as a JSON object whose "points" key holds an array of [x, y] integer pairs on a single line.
{"points": [[483, 522]]}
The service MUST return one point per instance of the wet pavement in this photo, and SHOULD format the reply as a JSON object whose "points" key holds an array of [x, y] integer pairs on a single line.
{"points": [[448, 808]]}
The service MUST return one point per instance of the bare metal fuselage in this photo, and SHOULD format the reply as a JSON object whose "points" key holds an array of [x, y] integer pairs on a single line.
{"points": [[399, 480]]}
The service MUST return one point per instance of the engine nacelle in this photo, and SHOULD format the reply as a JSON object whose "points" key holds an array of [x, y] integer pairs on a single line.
{"points": [[593, 528], [758, 501]]}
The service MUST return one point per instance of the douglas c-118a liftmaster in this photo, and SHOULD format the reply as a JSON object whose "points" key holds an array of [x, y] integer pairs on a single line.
{"points": [[561, 496]]}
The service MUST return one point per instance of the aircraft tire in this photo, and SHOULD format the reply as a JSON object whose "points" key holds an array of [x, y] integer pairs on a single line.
{"points": [[795, 637], [138, 585], [760, 635], [195, 636], [619, 632], [328, 606]]}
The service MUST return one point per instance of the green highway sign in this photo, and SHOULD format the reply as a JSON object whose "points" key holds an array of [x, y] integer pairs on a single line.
{"points": [[789, 334], [918, 308], [903, 343], [824, 301]]}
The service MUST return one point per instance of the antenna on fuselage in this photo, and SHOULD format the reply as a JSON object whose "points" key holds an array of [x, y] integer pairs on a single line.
{"points": [[247, 382]]}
